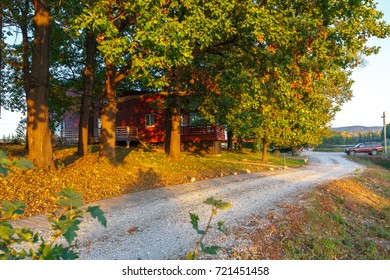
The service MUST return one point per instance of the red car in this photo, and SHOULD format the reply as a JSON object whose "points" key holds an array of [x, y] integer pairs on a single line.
{"points": [[372, 148]]}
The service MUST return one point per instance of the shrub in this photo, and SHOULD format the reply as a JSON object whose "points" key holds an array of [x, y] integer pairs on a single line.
{"points": [[65, 223], [215, 206]]}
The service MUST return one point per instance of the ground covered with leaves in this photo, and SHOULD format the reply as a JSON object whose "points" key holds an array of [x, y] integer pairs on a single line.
{"points": [[135, 169], [344, 219]]}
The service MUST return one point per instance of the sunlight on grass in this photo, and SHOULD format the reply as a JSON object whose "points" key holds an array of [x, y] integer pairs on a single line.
{"points": [[363, 195], [343, 219]]}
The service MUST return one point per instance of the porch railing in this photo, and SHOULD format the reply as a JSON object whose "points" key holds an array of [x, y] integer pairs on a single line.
{"points": [[199, 133], [122, 133], [127, 133]]}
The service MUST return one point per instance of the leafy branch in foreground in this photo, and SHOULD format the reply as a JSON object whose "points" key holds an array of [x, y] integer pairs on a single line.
{"points": [[6, 164], [212, 250], [63, 223]]}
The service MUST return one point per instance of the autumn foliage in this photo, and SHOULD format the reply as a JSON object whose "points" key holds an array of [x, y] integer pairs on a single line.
{"points": [[134, 170]]}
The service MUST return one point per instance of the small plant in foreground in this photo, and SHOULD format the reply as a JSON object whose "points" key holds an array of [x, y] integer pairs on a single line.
{"points": [[216, 205], [63, 223], [6, 164]]}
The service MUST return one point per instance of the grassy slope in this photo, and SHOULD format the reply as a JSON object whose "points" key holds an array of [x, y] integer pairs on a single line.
{"points": [[344, 219], [134, 170]]}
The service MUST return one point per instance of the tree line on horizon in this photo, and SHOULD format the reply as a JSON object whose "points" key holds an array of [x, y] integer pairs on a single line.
{"points": [[354, 137], [270, 70]]}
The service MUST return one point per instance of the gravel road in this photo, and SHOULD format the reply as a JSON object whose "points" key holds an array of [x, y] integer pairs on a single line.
{"points": [[155, 224]]}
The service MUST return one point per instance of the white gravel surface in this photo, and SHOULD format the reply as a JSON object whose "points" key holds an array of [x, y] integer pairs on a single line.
{"points": [[155, 224]]}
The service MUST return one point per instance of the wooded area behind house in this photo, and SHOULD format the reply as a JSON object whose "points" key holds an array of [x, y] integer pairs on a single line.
{"points": [[271, 71]]}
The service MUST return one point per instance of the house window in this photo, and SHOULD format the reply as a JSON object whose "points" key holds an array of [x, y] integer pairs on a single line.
{"points": [[150, 120]]}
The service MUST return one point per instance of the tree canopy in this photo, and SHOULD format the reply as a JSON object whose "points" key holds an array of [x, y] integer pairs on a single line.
{"points": [[270, 70]]}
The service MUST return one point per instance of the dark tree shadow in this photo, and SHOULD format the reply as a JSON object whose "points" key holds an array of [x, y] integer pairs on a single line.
{"points": [[146, 179]]}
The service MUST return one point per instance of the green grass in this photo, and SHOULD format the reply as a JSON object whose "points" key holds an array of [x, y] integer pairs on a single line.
{"points": [[357, 228], [248, 158], [374, 161], [330, 149], [343, 219]]}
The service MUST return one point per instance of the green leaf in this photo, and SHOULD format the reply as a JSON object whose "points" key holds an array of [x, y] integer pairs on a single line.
{"points": [[6, 232], [222, 228], [23, 163], [49, 251], [72, 198], [96, 212], [4, 158], [4, 170], [194, 221], [25, 234], [67, 253], [5, 163], [68, 228], [190, 255], [71, 231], [12, 208], [46, 250], [211, 250], [224, 205], [217, 203], [195, 225]]}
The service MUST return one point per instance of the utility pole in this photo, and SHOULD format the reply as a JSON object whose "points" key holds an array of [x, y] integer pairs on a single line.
{"points": [[384, 132]]}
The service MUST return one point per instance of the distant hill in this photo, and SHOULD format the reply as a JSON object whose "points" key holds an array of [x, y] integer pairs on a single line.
{"points": [[357, 128]]}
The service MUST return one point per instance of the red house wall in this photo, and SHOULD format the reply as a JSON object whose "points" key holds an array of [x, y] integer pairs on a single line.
{"points": [[132, 113]]}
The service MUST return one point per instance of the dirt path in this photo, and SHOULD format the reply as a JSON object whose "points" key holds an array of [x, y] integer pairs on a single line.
{"points": [[155, 224]]}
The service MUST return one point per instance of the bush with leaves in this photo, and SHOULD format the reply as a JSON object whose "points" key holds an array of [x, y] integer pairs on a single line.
{"points": [[7, 165], [65, 223], [215, 206]]}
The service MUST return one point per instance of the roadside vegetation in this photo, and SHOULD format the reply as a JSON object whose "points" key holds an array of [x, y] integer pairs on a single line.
{"points": [[343, 219], [134, 170]]}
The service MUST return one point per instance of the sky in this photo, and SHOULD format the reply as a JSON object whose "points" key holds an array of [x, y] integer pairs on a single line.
{"points": [[371, 90], [8, 122]]}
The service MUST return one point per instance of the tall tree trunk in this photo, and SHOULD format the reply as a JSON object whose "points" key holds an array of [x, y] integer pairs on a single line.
{"points": [[174, 134], [167, 128], [91, 125], [25, 55], [38, 131], [264, 157], [88, 89], [295, 150], [108, 116], [174, 147], [240, 143], [25, 46], [230, 140]]}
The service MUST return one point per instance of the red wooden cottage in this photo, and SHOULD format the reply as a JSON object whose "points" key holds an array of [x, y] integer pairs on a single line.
{"points": [[141, 118]]}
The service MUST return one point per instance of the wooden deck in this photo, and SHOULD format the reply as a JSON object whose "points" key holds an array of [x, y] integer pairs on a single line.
{"points": [[194, 134], [122, 133], [202, 133]]}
